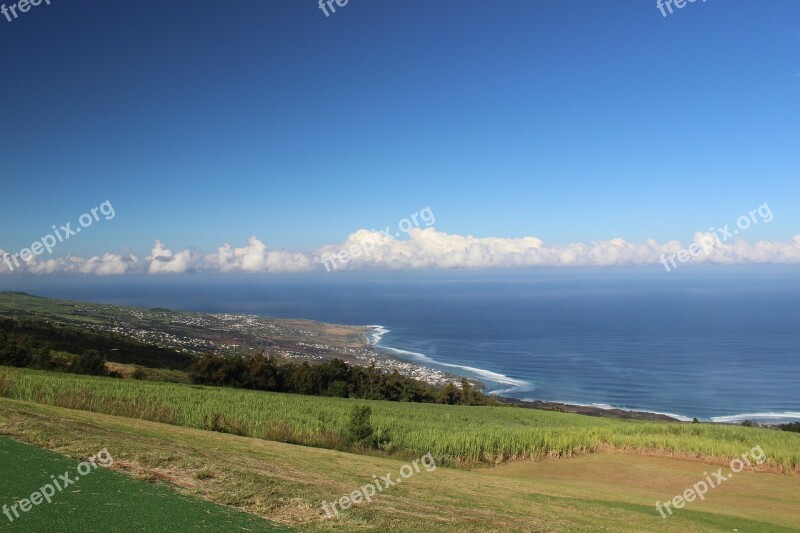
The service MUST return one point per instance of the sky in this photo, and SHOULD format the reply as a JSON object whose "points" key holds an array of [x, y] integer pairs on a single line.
{"points": [[534, 132]]}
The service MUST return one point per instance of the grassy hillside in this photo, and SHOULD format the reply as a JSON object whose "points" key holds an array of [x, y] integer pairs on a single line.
{"points": [[454, 434], [108, 501], [603, 492]]}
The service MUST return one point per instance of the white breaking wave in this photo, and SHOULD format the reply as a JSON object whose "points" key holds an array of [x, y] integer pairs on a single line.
{"points": [[377, 334], [788, 416], [491, 376], [607, 407], [488, 375]]}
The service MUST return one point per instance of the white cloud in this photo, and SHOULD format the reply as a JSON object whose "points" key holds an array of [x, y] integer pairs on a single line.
{"points": [[162, 261], [427, 248], [256, 257], [423, 249], [106, 265]]}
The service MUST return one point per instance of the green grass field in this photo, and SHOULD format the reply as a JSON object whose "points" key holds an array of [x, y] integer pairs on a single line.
{"points": [[601, 492], [26, 306], [103, 501], [455, 435]]}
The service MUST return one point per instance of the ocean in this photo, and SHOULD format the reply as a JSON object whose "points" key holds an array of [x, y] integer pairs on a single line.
{"points": [[717, 343]]}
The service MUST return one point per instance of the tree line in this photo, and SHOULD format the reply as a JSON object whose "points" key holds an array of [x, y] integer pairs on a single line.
{"points": [[334, 378], [25, 351]]}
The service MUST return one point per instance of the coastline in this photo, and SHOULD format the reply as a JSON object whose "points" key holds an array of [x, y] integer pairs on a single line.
{"points": [[301, 340], [589, 410], [387, 362], [374, 333]]}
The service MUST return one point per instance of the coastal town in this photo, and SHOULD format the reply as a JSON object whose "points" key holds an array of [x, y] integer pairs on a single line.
{"points": [[234, 335]]}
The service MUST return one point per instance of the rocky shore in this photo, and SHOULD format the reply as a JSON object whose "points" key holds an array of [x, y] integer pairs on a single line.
{"points": [[588, 410]]}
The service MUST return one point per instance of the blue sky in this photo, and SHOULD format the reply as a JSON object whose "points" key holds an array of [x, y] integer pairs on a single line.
{"points": [[572, 121]]}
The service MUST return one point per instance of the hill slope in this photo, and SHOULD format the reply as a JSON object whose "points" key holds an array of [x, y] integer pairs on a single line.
{"points": [[456, 435], [287, 483]]}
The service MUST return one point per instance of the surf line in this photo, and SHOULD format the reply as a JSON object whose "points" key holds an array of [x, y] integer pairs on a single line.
{"points": [[517, 385]]}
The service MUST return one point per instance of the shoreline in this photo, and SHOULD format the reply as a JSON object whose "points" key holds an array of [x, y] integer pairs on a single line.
{"points": [[387, 362], [588, 410], [374, 333]]}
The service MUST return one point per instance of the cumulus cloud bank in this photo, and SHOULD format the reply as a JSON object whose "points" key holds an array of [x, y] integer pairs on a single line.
{"points": [[104, 265], [255, 257], [423, 249]]}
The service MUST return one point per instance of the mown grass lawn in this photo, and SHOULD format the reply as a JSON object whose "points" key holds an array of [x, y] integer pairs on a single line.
{"points": [[103, 501]]}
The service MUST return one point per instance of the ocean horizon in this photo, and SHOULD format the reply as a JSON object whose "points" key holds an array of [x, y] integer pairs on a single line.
{"points": [[712, 344]]}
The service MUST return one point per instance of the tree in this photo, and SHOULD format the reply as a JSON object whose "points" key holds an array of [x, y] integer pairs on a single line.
{"points": [[12, 355], [449, 395], [42, 360], [466, 392], [90, 363], [794, 426], [359, 430]]}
